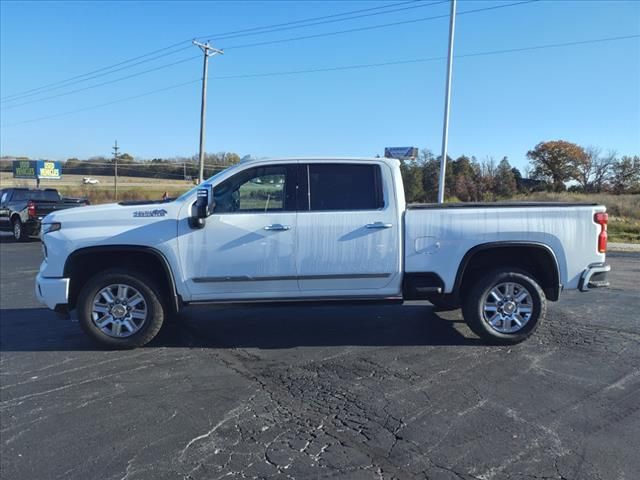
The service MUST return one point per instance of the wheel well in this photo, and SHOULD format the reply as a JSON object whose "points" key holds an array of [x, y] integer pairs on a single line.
{"points": [[85, 263], [537, 260], [14, 217]]}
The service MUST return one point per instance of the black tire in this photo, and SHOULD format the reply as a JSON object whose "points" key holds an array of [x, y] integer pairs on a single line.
{"points": [[444, 303], [474, 314], [152, 300], [18, 230]]}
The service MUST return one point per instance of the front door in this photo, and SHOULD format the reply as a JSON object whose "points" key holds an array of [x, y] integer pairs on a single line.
{"points": [[247, 248]]}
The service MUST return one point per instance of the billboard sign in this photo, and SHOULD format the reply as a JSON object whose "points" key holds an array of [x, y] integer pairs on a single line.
{"points": [[37, 169], [24, 168], [48, 170], [401, 153]]}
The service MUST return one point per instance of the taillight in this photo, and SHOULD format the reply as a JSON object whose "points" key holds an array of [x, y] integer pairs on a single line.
{"points": [[602, 219], [31, 209]]}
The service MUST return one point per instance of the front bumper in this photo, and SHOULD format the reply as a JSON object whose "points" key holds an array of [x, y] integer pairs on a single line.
{"points": [[53, 292], [595, 276]]}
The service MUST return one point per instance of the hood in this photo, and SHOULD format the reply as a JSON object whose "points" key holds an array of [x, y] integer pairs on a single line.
{"points": [[115, 213]]}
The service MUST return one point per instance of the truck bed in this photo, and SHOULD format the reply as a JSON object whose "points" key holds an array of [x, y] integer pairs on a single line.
{"points": [[437, 236], [434, 206]]}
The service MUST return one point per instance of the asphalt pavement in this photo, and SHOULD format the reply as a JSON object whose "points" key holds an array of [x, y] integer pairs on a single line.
{"points": [[336, 391]]}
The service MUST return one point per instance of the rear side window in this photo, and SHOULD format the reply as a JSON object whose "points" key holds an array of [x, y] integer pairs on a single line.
{"points": [[342, 186], [35, 195]]}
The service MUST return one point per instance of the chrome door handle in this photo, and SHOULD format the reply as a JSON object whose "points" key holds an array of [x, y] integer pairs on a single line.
{"points": [[276, 227], [379, 225]]}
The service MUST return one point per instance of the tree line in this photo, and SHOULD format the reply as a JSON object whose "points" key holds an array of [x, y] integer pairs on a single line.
{"points": [[554, 166]]}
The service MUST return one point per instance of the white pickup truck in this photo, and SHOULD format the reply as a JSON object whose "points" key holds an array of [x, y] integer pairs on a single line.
{"points": [[315, 229]]}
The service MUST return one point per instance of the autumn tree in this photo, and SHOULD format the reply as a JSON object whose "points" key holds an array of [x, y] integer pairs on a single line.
{"points": [[465, 173], [557, 160]]}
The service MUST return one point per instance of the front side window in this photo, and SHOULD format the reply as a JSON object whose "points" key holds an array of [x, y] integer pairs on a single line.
{"points": [[344, 186], [260, 189]]}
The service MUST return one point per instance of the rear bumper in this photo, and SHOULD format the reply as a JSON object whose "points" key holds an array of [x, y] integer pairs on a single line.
{"points": [[595, 276], [53, 292]]}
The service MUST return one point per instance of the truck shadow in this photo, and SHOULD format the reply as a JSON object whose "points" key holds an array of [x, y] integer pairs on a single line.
{"points": [[38, 329]]}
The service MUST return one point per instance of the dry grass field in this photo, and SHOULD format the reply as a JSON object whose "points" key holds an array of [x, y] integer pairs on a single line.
{"points": [[129, 188]]}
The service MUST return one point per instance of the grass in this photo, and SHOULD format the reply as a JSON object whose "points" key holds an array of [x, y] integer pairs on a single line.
{"points": [[624, 230]]}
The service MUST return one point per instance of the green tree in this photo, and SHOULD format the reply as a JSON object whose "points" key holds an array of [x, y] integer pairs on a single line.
{"points": [[557, 160], [412, 174], [505, 180]]}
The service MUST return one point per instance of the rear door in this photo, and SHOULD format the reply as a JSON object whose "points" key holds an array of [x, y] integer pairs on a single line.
{"points": [[348, 230]]}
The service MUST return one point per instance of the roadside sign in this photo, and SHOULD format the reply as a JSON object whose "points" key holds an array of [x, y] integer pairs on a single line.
{"points": [[24, 168], [37, 169], [400, 153], [48, 169]]}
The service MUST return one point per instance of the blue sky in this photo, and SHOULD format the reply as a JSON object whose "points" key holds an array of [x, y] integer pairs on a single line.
{"points": [[501, 104]]}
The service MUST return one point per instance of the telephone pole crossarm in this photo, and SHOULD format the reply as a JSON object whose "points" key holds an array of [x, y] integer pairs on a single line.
{"points": [[208, 51]]}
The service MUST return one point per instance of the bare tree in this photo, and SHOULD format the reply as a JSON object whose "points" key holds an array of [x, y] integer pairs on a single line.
{"points": [[584, 169], [602, 170]]}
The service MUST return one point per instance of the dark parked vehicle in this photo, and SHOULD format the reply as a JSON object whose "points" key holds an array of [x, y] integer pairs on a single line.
{"points": [[22, 209]]}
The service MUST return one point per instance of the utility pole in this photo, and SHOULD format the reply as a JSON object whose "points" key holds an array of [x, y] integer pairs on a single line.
{"points": [[447, 102], [208, 51], [115, 176]]}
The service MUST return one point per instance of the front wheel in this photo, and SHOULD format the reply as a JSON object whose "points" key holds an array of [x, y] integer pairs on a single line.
{"points": [[18, 231], [505, 306], [120, 309]]}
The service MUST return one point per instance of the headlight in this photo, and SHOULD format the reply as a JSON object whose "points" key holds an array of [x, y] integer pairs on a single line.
{"points": [[51, 227]]}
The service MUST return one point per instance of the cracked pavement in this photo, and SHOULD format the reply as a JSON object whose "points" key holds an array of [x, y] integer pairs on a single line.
{"points": [[335, 391]]}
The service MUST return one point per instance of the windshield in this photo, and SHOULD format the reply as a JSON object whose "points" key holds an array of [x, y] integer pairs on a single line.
{"points": [[207, 181]]}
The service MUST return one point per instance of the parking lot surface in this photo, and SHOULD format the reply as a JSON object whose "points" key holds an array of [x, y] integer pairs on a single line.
{"points": [[335, 391]]}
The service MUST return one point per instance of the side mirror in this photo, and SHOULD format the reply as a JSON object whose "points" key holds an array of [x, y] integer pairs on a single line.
{"points": [[203, 207]]}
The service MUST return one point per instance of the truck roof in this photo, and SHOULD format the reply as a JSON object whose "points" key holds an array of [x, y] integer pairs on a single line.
{"points": [[391, 161]]}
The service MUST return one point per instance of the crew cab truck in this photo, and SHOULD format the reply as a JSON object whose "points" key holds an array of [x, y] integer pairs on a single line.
{"points": [[315, 230], [22, 209]]}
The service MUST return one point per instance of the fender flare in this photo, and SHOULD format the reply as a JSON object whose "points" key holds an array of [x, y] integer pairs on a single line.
{"points": [[176, 300], [466, 259]]}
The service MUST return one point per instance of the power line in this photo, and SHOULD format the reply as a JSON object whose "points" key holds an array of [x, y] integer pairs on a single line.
{"points": [[67, 84], [324, 22], [227, 34], [374, 27], [280, 41], [218, 36], [108, 82], [29, 92], [336, 68]]}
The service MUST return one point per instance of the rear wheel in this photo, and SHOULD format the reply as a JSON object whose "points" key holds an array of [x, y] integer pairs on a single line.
{"points": [[505, 306], [18, 231], [120, 309]]}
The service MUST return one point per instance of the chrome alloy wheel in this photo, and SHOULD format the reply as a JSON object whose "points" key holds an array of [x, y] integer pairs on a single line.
{"points": [[17, 230], [507, 307], [119, 310]]}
